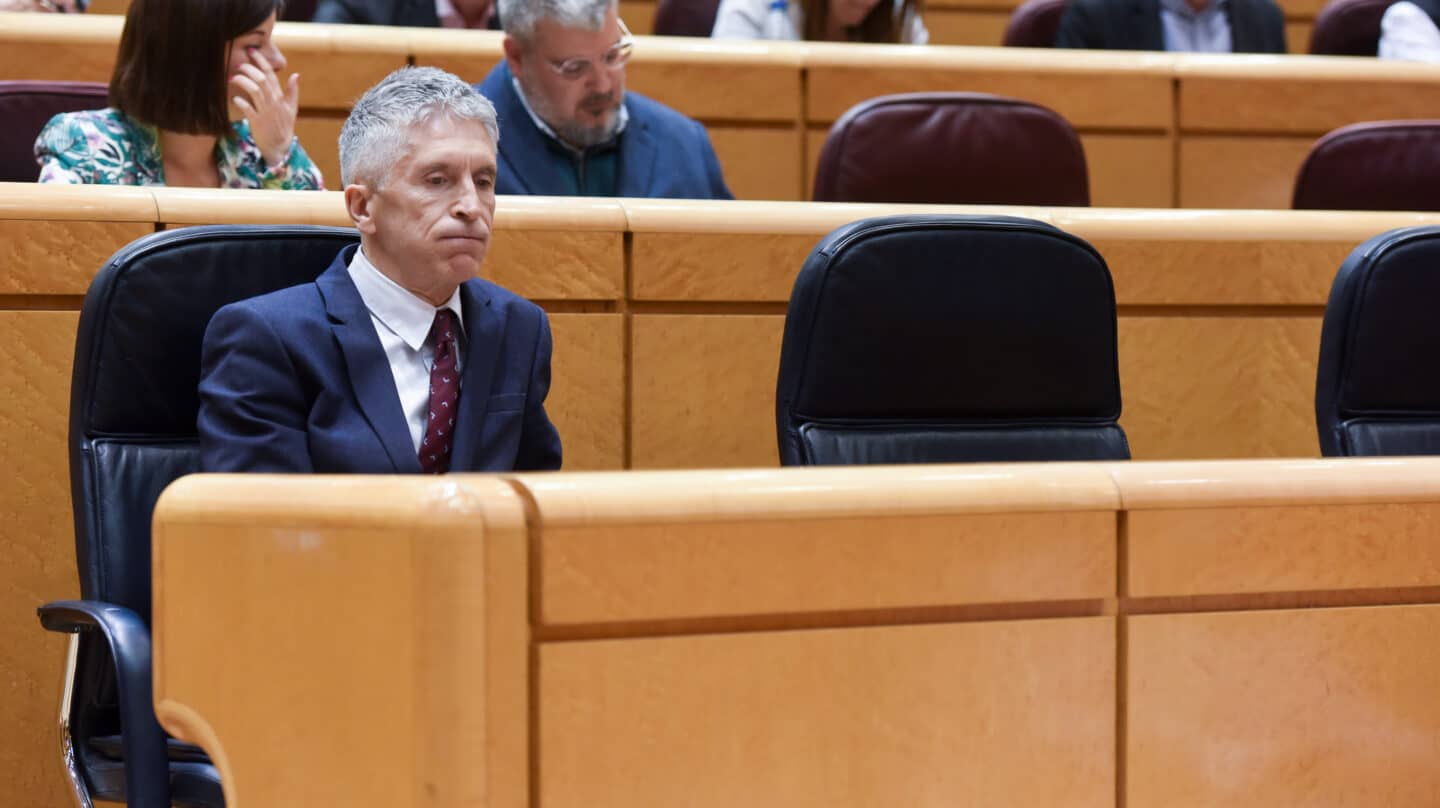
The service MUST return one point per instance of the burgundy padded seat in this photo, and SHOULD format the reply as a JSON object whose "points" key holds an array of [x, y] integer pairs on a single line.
{"points": [[25, 107], [685, 17], [1348, 28], [952, 148], [1034, 24], [1380, 165]]}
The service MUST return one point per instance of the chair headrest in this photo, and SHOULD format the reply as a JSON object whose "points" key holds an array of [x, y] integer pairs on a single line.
{"points": [[1380, 165], [25, 107], [1348, 28]]}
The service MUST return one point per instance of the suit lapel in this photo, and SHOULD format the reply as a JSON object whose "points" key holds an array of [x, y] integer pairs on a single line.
{"points": [[372, 383], [1245, 32], [483, 332], [637, 158], [522, 143]]}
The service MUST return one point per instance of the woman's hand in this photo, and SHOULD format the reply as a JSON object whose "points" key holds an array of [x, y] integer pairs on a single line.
{"points": [[270, 109]]}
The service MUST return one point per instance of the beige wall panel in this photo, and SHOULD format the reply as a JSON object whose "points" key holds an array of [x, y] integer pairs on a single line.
{"points": [[731, 568], [59, 258], [703, 390], [319, 133], [1214, 551], [587, 389], [37, 545], [966, 27], [1330, 707], [717, 266], [1240, 172], [1222, 272], [1200, 387], [1292, 105], [734, 90], [558, 264], [1002, 714], [1130, 171], [760, 163], [1086, 100]]}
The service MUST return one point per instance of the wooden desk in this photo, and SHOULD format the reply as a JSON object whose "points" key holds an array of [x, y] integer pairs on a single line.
{"points": [[1100, 634]]}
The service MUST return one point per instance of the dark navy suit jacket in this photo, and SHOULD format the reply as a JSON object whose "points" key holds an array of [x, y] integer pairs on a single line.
{"points": [[663, 154], [297, 381], [1256, 26]]}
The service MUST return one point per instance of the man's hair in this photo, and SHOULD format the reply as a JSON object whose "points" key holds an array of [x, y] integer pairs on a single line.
{"points": [[170, 66], [519, 17], [374, 136]]}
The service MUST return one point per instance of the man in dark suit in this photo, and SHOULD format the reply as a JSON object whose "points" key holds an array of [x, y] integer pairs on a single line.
{"points": [[569, 128], [414, 13], [1196, 26], [397, 358]]}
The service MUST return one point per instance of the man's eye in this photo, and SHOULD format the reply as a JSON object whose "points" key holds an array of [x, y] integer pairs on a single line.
{"points": [[483, 182], [572, 70], [437, 181]]}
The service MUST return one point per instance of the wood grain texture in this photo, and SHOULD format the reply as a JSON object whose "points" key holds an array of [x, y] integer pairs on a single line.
{"points": [[1327, 706], [322, 573], [1130, 171], [59, 257], [756, 566], [1181, 273], [1261, 101], [703, 390], [319, 133], [760, 163], [1227, 550], [587, 393], [765, 90], [37, 543], [558, 265], [1197, 387], [1240, 172], [983, 27], [717, 266], [1007, 713]]}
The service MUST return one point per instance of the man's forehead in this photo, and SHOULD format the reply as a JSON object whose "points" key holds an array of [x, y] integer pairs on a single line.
{"points": [[449, 139], [558, 38]]}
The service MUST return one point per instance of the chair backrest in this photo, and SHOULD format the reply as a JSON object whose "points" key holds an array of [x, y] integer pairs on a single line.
{"points": [[1034, 24], [25, 107], [923, 339], [299, 10], [1348, 28], [685, 17], [978, 149], [1377, 391], [1380, 165]]}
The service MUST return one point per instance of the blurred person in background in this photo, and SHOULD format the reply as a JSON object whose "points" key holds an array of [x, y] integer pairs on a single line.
{"points": [[413, 13], [822, 20]]}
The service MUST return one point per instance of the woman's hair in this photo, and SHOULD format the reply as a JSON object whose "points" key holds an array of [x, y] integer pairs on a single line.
{"points": [[170, 69], [886, 22]]}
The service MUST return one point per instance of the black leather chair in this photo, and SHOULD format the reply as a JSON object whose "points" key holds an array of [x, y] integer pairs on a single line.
{"points": [[1034, 24], [26, 106], [935, 339], [1376, 165], [1376, 389], [132, 431]]}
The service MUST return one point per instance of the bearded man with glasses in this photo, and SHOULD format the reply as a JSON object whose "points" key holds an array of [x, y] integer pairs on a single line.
{"points": [[568, 128]]}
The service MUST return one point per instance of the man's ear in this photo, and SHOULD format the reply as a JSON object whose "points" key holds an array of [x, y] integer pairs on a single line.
{"points": [[357, 204], [514, 56]]}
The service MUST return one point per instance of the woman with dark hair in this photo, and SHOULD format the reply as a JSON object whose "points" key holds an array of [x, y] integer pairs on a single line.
{"points": [[181, 65], [822, 20]]}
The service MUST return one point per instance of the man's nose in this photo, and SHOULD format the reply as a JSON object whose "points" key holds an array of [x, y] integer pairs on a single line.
{"points": [[602, 78], [467, 203]]}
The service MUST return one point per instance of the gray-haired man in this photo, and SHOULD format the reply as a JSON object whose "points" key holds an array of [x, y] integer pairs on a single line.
{"points": [[571, 128], [397, 358]]}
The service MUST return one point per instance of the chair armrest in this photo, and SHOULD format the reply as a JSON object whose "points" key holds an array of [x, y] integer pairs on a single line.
{"points": [[147, 769]]}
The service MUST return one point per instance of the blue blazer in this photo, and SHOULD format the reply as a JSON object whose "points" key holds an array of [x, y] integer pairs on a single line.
{"points": [[297, 381], [663, 154]]}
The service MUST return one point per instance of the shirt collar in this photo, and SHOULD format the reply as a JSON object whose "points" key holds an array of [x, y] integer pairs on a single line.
{"points": [[1183, 8], [623, 115], [397, 307]]}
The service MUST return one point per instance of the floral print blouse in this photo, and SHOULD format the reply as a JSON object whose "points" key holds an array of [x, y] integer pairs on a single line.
{"points": [[105, 146]]}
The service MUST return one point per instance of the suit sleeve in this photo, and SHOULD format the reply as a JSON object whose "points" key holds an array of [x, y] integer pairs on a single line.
{"points": [[253, 411], [714, 177], [539, 440], [1077, 28], [336, 11]]}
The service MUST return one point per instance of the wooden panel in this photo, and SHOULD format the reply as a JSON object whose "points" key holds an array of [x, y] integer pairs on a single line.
{"points": [[58, 257], [343, 573], [338, 63], [1240, 172], [966, 27], [814, 144], [31, 44], [1301, 99], [760, 163], [639, 16], [728, 568], [1198, 387], [471, 55], [1178, 272], [587, 393], [1009, 713], [1208, 551], [319, 133], [736, 88], [703, 390], [1329, 707], [717, 266], [1130, 171], [1297, 35], [36, 541], [558, 264]]}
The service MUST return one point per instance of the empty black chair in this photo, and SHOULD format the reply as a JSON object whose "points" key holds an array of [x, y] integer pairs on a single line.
{"points": [[1376, 389], [132, 431], [932, 339], [26, 106]]}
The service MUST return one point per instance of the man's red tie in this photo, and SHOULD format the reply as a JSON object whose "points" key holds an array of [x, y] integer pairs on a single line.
{"points": [[444, 396]]}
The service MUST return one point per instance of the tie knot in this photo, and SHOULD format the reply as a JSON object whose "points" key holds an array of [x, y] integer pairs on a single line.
{"points": [[443, 329]]}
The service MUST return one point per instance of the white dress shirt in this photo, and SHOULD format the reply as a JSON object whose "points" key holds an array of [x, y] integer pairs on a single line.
{"points": [[1406, 32], [746, 19], [402, 321]]}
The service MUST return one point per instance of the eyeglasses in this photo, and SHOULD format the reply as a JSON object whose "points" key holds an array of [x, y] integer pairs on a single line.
{"points": [[613, 59]]}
